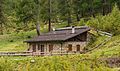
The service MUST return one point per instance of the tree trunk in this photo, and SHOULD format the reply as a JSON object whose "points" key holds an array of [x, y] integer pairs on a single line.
{"points": [[37, 17], [92, 12], [104, 7], [1, 29], [49, 24], [110, 8], [77, 17], [69, 19], [82, 14], [1, 17], [38, 28], [103, 11]]}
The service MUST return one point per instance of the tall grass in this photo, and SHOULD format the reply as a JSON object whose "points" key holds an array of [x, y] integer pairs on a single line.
{"points": [[54, 63]]}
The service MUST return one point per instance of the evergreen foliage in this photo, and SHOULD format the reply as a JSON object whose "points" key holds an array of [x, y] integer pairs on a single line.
{"points": [[26, 14], [109, 23]]}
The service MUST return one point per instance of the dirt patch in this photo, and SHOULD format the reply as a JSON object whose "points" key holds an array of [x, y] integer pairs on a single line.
{"points": [[113, 61]]}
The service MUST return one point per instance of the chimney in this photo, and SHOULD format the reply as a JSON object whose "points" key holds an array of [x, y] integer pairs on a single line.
{"points": [[73, 29], [53, 30]]}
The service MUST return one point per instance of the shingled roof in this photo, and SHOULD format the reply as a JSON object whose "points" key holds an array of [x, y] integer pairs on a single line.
{"points": [[61, 34]]}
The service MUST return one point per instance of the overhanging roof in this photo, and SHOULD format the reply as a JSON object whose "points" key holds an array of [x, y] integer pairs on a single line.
{"points": [[59, 34]]}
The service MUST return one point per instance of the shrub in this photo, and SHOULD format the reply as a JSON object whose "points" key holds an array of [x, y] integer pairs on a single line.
{"points": [[109, 23]]}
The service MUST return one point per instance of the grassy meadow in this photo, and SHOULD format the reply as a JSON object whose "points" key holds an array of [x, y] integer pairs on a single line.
{"points": [[82, 62]]}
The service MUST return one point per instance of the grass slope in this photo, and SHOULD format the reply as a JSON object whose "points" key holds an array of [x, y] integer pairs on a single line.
{"points": [[83, 62], [111, 48], [14, 42]]}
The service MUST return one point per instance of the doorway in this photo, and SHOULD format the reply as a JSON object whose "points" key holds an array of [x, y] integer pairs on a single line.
{"points": [[34, 47], [78, 48], [50, 48], [42, 49]]}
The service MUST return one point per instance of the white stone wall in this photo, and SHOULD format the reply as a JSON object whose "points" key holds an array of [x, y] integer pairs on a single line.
{"points": [[57, 47]]}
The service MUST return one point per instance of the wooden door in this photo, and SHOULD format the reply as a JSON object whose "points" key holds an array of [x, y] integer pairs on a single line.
{"points": [[42, 49], [50, 48], [69, 48], [78, 47], [34, 47]]}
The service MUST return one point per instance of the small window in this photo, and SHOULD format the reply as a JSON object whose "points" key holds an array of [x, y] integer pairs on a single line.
{"points": [[50, 48], [28, 49], [34, 47], [78, 47], [42, 48], [70, 47], [38, 46]]}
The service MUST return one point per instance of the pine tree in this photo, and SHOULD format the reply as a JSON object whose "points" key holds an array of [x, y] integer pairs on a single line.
{"points": [[2, 17]]}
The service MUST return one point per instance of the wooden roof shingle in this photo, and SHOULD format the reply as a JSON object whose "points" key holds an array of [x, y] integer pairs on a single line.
{"points": [[59, 34]]}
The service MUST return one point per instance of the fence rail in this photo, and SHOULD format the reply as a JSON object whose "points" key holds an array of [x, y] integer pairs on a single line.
{"points": [[27, 53]]}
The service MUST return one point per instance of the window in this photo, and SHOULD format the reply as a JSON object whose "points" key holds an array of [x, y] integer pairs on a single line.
{"points": [[38, 46], [34, 47], [78, 47], [41, 48], [50, 48], [70, 47]]}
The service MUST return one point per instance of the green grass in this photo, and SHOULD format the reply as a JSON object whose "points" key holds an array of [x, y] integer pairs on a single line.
{"points": [[111, 48], [53, 63], [14, 42], [82, 62]]}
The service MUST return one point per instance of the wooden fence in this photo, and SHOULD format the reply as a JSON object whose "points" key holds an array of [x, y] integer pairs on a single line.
{"points": [[27, 53]]}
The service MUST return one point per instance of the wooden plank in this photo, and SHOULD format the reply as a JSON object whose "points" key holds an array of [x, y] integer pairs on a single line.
{"points": [[35, 53]]}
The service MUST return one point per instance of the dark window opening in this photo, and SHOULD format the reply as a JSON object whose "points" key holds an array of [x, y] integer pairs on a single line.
{"points": [[42, 48], [34, 47], [28, 49], [50, 48], [38, 46], [70, 47], [78, 47]]}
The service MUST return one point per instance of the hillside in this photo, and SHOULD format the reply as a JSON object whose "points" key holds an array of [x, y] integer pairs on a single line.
{"points": [[14, 42], [95, 60], [82, 61], [111, 48], [61, 49]]}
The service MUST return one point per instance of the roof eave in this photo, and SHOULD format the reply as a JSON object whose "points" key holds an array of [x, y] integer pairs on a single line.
{"points": [[44, 41]]}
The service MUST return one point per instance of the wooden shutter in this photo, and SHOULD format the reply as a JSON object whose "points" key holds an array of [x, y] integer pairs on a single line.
{"points": [[70, 47], [78, 47]]}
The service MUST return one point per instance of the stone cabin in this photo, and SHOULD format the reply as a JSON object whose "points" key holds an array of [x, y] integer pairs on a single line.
{"points": [[69, 40]]}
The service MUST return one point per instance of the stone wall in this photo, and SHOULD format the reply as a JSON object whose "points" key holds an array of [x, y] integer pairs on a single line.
{"points": [[74, 45], [58, 47]]}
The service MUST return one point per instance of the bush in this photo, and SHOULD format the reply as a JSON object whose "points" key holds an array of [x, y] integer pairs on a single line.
{"points": [[109, 23]]}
